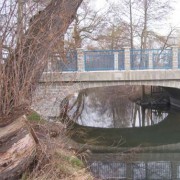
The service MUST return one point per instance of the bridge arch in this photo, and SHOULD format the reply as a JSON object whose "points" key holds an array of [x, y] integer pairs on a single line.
{"points": [[54, 87]]}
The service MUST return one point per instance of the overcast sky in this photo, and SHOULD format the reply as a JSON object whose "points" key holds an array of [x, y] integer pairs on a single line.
{"points": [[174, 17]]}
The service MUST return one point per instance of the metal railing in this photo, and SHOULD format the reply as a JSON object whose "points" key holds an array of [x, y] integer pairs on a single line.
{"points": [[162, 59], [121, 59], [99, 60], [152, 170], [139, 59], [151, 59], [59, 63], [106, 60]]}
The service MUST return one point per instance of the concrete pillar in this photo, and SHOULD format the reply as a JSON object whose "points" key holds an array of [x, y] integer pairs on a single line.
{"points": [[127, 58], [174, 57], [116, 61], [80, 60], [150, 59]]}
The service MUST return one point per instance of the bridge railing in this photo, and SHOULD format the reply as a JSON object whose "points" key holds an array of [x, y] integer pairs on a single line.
{"points": [[59, 62], [139, 59], [108, 60], [162, 59], [151, 59], [100, 60]]}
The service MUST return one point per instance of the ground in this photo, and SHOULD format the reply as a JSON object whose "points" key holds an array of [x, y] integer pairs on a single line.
{"points": [[55, 160]]}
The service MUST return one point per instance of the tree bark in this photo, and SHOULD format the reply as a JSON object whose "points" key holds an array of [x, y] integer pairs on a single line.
{"points": [[24, 67], [17, 149], [22, 72]]}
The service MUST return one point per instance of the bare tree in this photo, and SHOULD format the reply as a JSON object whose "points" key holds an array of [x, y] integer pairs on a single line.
{"points": [[86, 26], [27, 54], [140, 19]]}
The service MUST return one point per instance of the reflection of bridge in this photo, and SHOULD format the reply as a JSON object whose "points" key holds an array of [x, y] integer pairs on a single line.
{"points": [[146, 166], [88, 69]]}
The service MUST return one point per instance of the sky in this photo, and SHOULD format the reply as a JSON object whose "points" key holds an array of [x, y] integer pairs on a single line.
{"points": [[175, 16], [173, 20]]}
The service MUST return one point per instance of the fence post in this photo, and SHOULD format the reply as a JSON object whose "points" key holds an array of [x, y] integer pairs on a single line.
{"points": [[127, 58], [174, 57], [80, 60], [116, 59]]}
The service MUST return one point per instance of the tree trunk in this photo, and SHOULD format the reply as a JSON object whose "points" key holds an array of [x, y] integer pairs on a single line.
{"points": [[25, 65], [131, 24], [17, 149], [20, 76]]}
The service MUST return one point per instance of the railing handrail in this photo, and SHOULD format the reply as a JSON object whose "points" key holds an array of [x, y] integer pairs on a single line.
{"points": [[106, 50]]}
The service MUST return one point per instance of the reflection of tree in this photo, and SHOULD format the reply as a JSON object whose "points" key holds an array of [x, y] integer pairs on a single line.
{"points": [[110, 101], [77, 104], [114, 102], [142, 117], [110, 106]]}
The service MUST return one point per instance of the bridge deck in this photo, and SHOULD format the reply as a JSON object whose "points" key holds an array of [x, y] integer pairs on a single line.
{"points": [[143, 75]]}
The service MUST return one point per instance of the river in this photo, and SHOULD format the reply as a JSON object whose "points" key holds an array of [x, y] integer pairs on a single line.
{"points": [[130, 134]]}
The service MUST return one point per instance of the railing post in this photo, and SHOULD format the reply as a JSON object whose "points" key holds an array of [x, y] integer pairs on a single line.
{"points": [[150, 59], [116, 59], [127, 58], [80, 59], [174, 57]]}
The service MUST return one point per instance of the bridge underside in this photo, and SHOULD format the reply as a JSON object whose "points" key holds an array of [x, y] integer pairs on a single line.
{"points": [[54, 87]]}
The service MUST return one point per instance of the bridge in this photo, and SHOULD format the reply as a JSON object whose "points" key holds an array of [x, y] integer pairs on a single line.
{"points": [[100, 68]]}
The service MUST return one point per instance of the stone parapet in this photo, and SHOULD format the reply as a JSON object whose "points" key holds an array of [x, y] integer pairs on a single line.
{"points": [[127, 58], [80, 59], [174, 57]]}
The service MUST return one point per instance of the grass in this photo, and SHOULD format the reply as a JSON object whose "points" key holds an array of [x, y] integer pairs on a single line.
{"points": [[34, 117]]}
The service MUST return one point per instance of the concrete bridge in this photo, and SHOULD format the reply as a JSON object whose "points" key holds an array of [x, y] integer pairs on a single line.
{"points": [[90, 69]]}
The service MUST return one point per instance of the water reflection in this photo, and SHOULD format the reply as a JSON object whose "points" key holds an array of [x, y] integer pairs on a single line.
{"points": [[112, 108], [142, 117], [106, 117], [151, 166], [137, 171]]}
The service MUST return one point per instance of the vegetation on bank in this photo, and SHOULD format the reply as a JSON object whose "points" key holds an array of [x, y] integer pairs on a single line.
{"points": [[54, 160]]}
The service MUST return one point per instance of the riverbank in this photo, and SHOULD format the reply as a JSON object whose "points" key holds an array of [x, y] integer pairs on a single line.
{"points": [[55, 160]]}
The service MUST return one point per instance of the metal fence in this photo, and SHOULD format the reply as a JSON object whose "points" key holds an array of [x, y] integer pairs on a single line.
{"points": [[151, 59], [121, 58], [152, 170], [162, 59], [139, 59], [99, 60], [104, 60], [63, 63]]}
